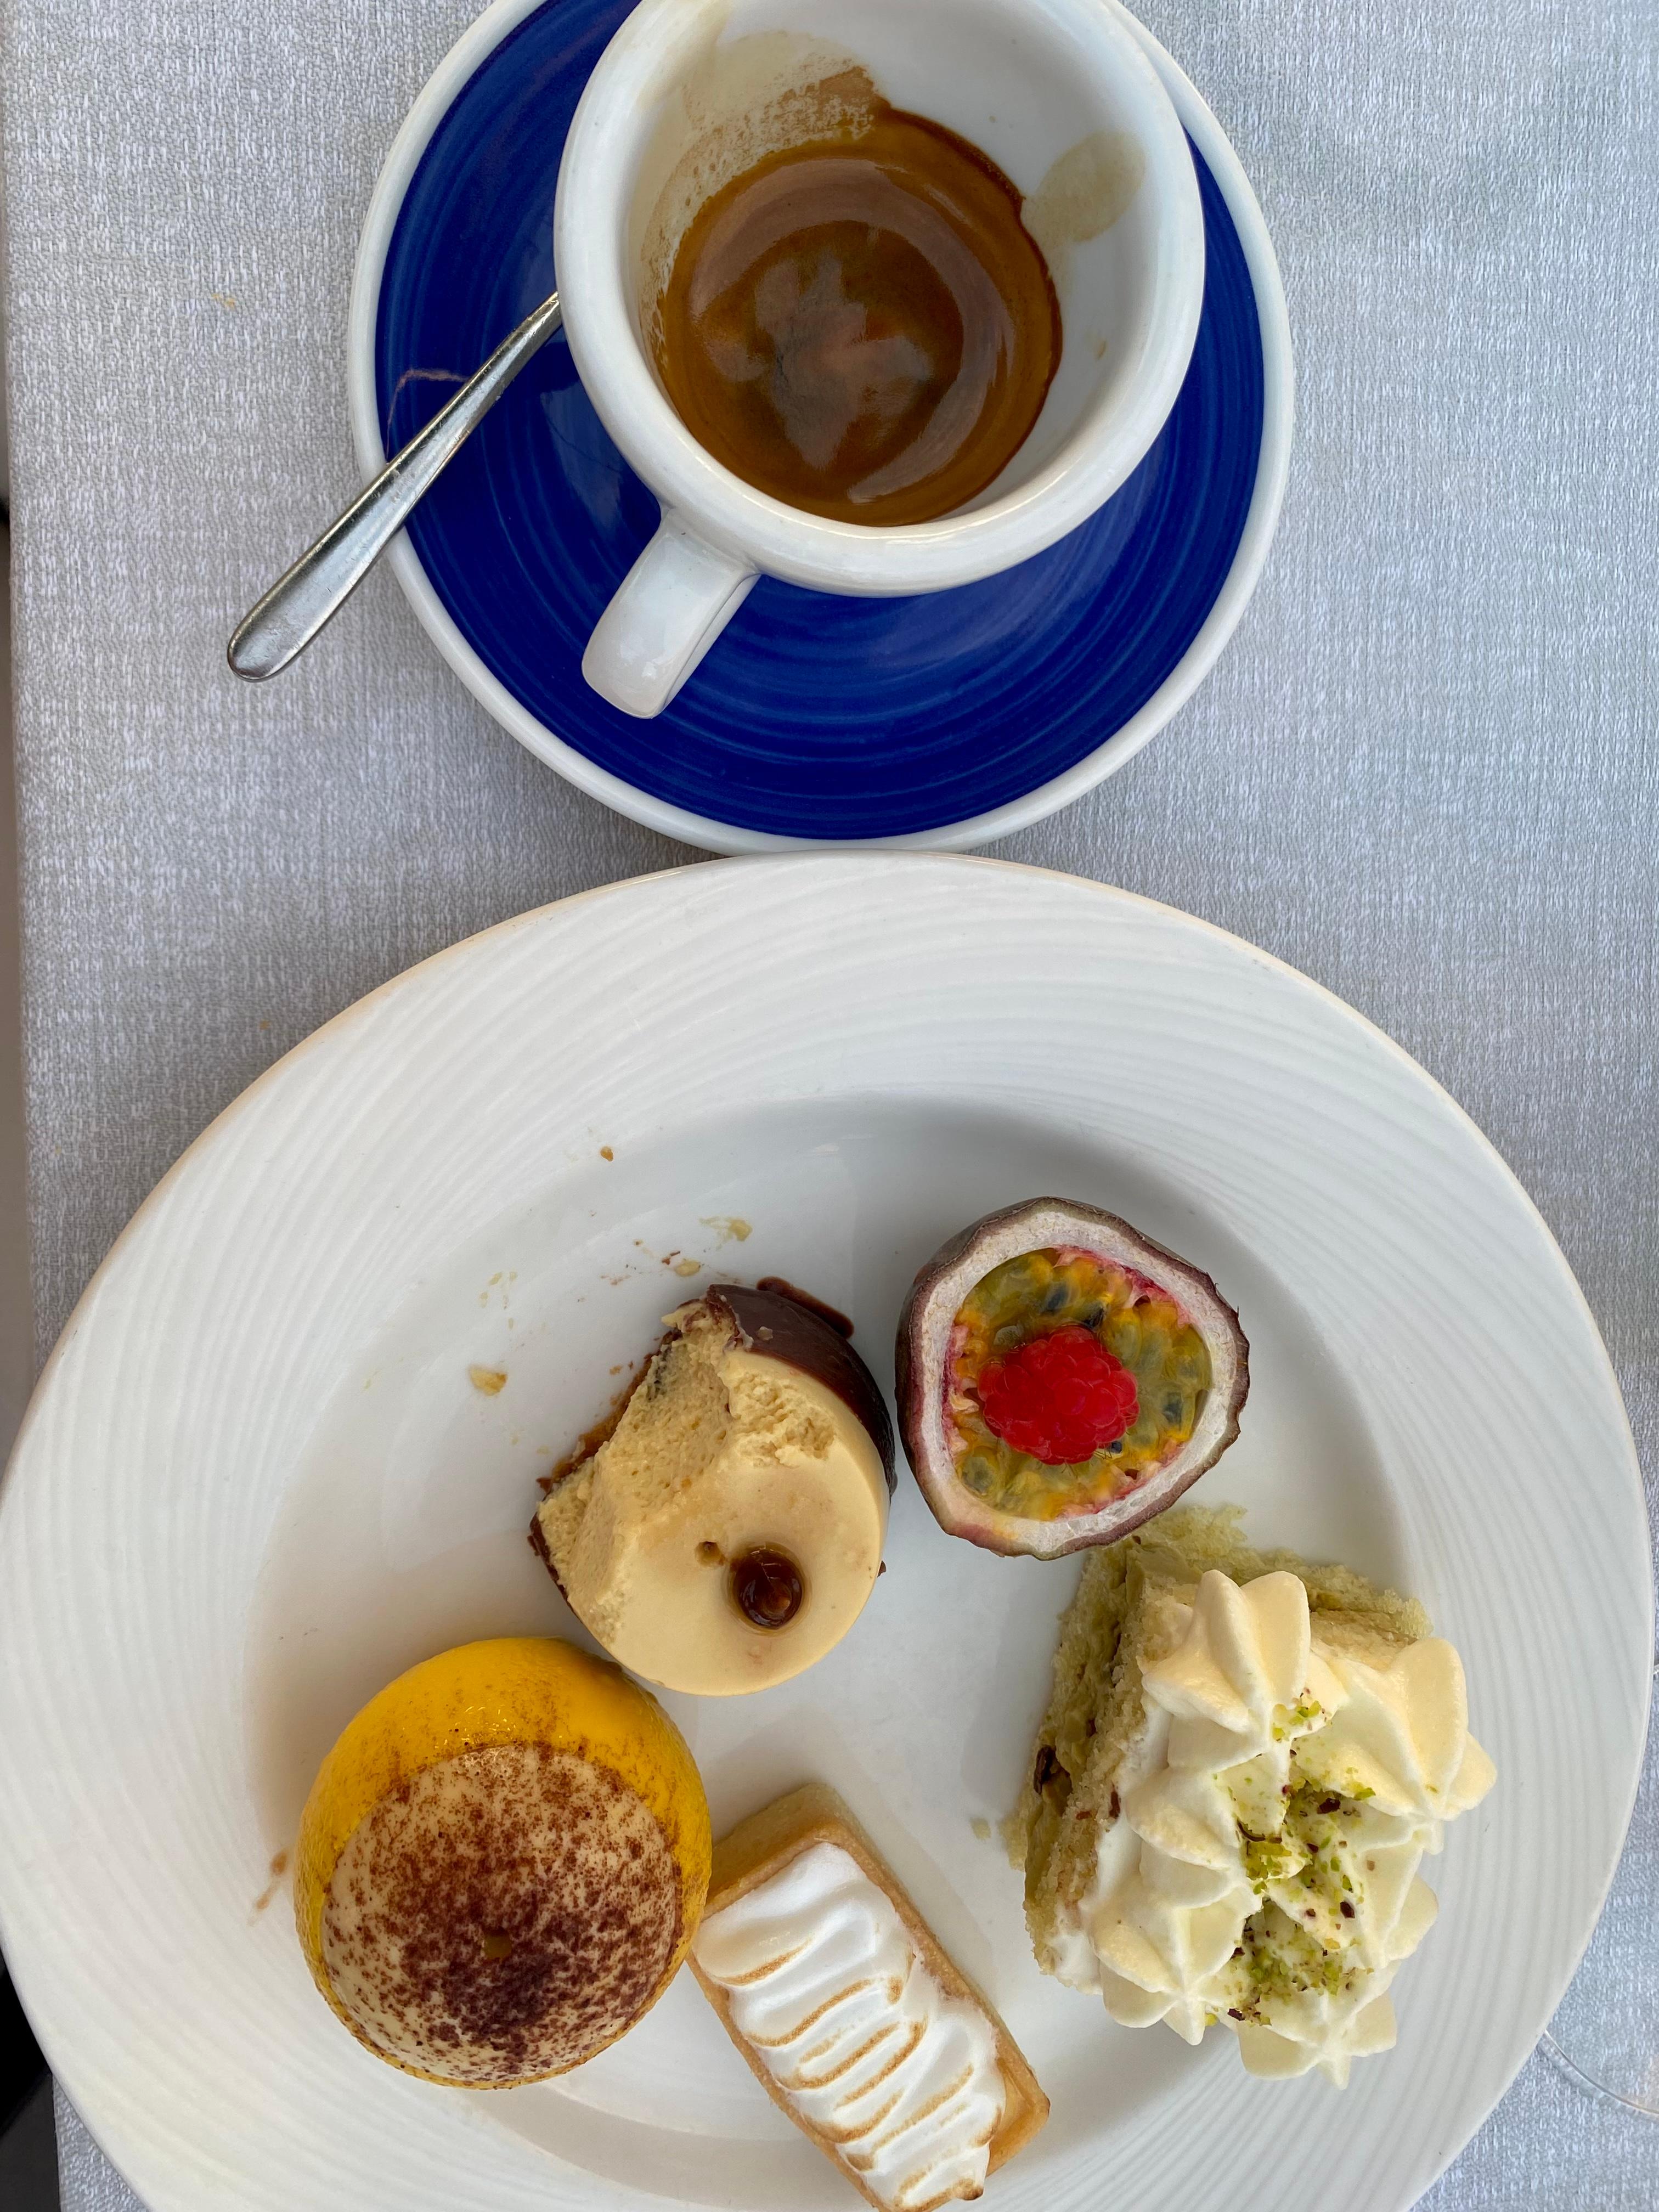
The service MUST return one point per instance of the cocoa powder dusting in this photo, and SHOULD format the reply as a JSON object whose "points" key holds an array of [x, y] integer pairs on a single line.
{"points": [[502, 1915]]}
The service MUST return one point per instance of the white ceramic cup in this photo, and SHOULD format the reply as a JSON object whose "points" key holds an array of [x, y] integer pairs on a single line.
{"points": [[1060, 96]]}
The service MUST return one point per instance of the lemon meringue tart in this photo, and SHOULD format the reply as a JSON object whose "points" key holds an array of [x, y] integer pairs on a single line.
{"points": [[852, 2016]]}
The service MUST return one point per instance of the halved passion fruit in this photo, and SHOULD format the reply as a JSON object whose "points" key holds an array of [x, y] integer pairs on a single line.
{"points": [[1061, 1378]]}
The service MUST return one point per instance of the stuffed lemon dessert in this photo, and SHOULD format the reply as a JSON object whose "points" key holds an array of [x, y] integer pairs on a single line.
{"points": [[501, 1863]]}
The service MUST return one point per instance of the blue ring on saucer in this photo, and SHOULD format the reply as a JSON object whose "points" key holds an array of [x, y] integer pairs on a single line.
{"points": [[814, 716]]}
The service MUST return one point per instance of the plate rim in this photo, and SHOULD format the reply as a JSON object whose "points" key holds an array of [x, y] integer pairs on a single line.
{"points": [[730, 864], [64, 2061], [432, 103]]}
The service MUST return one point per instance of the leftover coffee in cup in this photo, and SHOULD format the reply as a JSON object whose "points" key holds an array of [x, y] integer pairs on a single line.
{"points": [[861, 325], [816, 266]]}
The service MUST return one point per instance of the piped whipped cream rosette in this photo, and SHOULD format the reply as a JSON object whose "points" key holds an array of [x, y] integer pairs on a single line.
{"points": [[1253, 1857]]}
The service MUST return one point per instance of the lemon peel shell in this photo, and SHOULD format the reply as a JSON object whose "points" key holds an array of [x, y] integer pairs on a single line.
{"points": [[503, 1690]]}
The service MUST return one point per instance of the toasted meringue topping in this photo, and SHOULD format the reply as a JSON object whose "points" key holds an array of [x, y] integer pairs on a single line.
{"points": [[825, 1983]]}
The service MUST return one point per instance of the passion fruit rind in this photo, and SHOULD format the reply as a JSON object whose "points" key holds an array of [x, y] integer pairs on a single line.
{"points": [[940, 1290]]}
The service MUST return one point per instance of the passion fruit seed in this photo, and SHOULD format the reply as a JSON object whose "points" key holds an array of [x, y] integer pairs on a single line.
{"points": [[767, 1588], [1062, 1398], [1138, 1322]]}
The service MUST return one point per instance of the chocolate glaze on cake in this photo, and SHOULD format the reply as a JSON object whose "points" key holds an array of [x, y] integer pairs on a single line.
{"points": [[840, 1323], [784, 1325], [782, 1322], [538, 1546]]}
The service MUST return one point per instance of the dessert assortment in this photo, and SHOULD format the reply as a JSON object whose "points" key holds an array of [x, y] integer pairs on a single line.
{"points": [[851, 2016], [1245, 1758]]}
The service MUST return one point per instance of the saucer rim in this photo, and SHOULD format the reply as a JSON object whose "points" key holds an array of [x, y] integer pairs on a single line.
{"points": [[433, 102]]}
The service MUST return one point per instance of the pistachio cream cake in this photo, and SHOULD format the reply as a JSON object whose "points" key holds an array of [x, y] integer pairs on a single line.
{"points": [[1244, 1761]]}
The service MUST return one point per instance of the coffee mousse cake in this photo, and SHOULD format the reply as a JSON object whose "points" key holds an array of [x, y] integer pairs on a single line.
{"points": [[1244, 1760], [729, 1530]]}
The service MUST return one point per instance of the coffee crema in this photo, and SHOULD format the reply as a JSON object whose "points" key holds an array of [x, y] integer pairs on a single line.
{"points": [[862, 325]]}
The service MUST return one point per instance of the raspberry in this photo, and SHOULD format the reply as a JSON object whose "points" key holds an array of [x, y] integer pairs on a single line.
{"points": [[1060, 1398]]}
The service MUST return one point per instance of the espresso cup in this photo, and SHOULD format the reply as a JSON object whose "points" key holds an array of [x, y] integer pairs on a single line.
{"points": [[1060, 97]]}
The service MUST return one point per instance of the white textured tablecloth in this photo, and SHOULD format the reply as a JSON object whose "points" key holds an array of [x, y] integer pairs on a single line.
{"points": [[1424, 772]]}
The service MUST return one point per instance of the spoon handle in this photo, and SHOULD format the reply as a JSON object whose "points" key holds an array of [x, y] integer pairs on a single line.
{"points": [[320, 581]]}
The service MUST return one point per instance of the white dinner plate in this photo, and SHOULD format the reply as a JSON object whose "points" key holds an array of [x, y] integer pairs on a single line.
{"points": [[257, 1482]]}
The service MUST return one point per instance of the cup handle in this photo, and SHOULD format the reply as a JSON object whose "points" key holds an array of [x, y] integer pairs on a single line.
{"points": [[668, 608]]}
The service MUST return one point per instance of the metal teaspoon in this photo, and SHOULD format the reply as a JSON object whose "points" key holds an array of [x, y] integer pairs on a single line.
{"points": [[321, 580]]}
